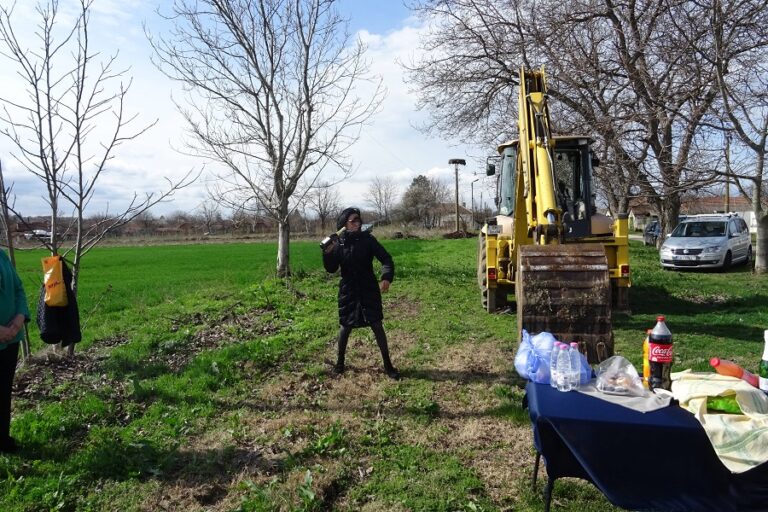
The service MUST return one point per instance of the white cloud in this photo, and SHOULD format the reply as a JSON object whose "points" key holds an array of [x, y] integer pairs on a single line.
{"points": [[389, 146]]}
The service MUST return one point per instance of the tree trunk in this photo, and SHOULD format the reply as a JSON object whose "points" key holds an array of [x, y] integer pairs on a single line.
{"points": [[283, 239], [761, 251], [670, 217]]}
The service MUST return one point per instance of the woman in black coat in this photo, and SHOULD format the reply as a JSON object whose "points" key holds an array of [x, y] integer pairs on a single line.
{"points": [[359, 292]]}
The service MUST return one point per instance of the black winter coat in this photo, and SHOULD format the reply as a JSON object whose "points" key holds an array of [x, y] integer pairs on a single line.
{"points": [[359, 294], [59, 324]]}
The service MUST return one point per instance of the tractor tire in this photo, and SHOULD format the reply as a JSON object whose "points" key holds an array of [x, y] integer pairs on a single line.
{"points": [[487, 296]]}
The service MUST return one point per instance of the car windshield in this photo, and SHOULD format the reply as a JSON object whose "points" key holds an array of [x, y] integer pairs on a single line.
{"points": [[699, 229]]}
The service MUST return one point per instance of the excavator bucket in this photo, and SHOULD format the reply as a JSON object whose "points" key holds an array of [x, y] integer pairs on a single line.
{"points": [[565, 290]]}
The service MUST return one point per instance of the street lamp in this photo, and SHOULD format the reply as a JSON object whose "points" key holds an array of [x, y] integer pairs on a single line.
{"points": [[472, 189], [456, 162]]}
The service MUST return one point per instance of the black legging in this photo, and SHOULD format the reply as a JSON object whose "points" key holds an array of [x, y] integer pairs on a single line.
{"points": [[8, 358], [381, 341]]}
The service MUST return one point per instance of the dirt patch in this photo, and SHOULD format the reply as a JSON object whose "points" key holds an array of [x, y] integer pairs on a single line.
{"points": [[467, 424], [71, 376], [716, 299], [51, 371], [271, 439], [226, 330], [459, 234], [402, 308]]}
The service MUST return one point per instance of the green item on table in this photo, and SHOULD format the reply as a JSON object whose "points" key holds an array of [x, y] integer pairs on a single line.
{"points": [[727, 404]]}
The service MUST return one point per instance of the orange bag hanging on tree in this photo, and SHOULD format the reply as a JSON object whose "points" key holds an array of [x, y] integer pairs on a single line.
{"points": [[55, 289]]}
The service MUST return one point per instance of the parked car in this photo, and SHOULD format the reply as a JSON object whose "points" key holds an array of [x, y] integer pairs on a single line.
{"points": [[39, 234], [707, 241], [651, 233]]}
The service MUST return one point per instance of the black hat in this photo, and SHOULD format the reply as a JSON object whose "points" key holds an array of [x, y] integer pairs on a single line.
{"points": [[341, 220]]}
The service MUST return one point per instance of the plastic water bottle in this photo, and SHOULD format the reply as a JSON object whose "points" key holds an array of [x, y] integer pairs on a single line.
{"points": [[553, 364], [575, 365], [564, 369]]}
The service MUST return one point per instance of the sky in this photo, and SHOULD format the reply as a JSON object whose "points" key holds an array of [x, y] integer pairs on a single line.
{"points": [[389, 146]]}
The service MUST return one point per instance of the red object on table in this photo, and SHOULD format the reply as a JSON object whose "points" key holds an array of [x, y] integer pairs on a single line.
{"points": [[725, 367]]}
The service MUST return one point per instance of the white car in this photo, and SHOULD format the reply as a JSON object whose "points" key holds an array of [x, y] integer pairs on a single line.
{"points": [[39, 234], [707, 241]]}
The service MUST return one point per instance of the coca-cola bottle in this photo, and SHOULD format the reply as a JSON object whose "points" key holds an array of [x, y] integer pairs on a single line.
{"points": [[660, 355]]}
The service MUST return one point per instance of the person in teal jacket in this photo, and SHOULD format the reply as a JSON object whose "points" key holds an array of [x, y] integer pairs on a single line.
{"points": [[13, 314]]}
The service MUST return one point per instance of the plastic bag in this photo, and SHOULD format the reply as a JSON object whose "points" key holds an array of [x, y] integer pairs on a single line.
{"points": [[617, 376], [523, 354], [532, 358], [55, 289], [723, 404], [533, 355]]}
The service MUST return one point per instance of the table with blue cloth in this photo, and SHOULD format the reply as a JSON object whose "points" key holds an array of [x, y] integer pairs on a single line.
{"points": [[660, 460]]}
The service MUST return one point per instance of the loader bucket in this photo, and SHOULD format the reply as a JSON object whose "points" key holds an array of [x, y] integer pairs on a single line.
{"points": [[565, 290]]}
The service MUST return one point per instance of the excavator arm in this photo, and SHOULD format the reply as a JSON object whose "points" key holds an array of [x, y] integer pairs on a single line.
{"points": [[544, 216], [547, 245]]}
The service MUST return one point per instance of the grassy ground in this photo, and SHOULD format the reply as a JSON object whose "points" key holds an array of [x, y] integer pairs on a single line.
{"points": [[204, 384]]}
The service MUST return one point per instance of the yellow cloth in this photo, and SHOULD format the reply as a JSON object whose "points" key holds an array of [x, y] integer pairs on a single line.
{"points": [[740, 440]]}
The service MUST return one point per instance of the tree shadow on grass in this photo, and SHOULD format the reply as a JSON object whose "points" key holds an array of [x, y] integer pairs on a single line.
{"points": [[465, 377], [691, 313], [121, 367], [205, 474]]}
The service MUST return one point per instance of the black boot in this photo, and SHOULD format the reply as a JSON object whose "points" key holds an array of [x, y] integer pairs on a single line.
{"points": [[392, 372], [381, 341], [8, 445], [338, 368]]}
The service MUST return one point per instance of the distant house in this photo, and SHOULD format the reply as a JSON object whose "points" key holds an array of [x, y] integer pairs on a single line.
{"points": [[640, 213], [169, 231], [716, 204], [187, 228], [446, 216]]}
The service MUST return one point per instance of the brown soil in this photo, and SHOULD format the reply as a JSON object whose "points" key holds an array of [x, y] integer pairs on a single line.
{"points": [[460, 234], [286, 415], [72, 375], [260, 438]]}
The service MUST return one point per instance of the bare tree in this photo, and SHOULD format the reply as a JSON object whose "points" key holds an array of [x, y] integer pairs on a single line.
{"points": [[282, 94], [324, 200], [70, 123], [738, 49], [242, 220], [146, 222], [423, 202], [382, 194], [622, 71], [210, 213]]}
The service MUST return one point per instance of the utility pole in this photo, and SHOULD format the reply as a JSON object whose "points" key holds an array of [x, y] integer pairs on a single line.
{"points": [[727, 172], [456, 162]]}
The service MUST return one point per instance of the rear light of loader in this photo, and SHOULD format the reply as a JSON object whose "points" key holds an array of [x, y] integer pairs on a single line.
{"points": [[491, 274], [624, 270]]}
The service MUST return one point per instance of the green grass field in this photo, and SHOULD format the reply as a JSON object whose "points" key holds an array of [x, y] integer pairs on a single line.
{"points": [[203, 384]]}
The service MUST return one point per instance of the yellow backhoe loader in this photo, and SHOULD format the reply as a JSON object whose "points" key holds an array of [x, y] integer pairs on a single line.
{"points": [[567, 266]]}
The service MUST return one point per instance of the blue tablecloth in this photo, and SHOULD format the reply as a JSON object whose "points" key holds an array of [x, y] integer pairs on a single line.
{"points": [[660, 460]]}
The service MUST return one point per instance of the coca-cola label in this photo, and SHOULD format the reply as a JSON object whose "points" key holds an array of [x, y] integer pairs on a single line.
{"points": [[660, 353]]}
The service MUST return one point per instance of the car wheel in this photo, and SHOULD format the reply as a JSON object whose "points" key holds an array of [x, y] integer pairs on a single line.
{"points": [[727, 261], [748, 261]]}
